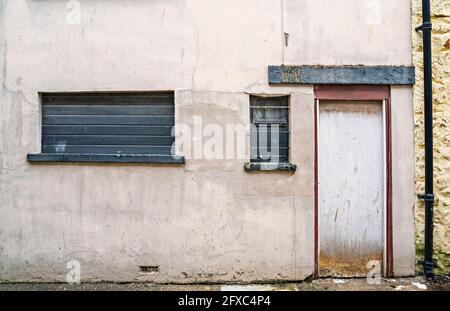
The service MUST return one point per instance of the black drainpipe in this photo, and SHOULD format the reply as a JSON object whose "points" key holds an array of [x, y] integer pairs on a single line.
{"points": [[428, 197]]}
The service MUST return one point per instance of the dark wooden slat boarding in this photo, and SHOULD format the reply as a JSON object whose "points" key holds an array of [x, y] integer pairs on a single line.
{"points": [[282, 129], [274, 155], [283, 159], [107, 149], [106, 130], [107, 120], [108, 140], [106, 110], [276, 101], [267, 112], [144, 98], [108, 123], [281, 151], [281, 138], [271, 160]]}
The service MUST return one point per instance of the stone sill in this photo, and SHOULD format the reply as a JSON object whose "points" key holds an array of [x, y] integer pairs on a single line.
{"points": [[105, 158], [287, 167]]}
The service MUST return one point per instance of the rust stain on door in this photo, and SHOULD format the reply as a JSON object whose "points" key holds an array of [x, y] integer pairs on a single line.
{"points": [[356, 267]]}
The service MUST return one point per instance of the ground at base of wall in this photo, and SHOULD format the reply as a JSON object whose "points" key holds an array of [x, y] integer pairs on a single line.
{"points": [[398, 284]]}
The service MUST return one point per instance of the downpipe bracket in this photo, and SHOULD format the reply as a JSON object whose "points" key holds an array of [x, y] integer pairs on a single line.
{"points": [[427, 26], [428, 267], [427, 197]]}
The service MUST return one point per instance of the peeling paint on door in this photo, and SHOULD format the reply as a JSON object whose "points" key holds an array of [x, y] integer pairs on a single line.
{"points": [[350, 187]]}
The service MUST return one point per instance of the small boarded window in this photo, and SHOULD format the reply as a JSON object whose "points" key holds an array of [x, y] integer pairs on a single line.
{"points": [[108, 123], [269, 139]]}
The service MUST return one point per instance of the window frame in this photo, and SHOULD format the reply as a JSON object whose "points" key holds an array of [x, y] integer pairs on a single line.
{"points": [[262, 164]]}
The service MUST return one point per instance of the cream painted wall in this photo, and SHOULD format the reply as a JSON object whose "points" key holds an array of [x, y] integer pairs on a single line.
{"points": [[206, 220]]}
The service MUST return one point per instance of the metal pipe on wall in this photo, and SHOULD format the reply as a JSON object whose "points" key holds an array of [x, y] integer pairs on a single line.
{"points": [[428, 197]]}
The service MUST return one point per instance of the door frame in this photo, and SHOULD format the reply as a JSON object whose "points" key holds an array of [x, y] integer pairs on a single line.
{"points": [[357, 93]]}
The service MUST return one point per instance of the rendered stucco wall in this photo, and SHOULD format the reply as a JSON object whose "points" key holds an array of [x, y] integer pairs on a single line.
{"points": [[441, 92], [207, 220], [402, 180]]}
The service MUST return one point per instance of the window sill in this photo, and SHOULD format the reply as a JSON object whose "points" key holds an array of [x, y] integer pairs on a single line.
{"points": [[287, 167], [105, 158]]}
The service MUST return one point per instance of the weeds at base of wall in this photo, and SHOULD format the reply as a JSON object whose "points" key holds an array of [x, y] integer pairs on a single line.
{"points": [[442, 260]]}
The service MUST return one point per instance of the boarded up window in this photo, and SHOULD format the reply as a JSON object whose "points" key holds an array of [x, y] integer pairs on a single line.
{"points": [[269, 139], [108, 123]]}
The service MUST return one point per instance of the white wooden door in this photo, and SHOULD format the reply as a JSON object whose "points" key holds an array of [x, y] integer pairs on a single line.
{"points": [[351, 186]]}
